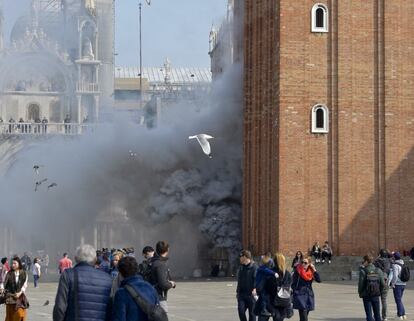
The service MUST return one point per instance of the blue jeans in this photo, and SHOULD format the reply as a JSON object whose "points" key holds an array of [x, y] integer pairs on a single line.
{"points": [[398, 294], [372, 304], [36, 280], [245, 302]]}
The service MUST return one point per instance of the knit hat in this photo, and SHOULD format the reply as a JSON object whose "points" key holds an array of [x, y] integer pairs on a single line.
{"points": [[397, 256]]}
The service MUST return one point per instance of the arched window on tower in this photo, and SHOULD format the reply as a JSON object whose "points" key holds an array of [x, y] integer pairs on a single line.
{"points": [[320, 18], [320, 119]]}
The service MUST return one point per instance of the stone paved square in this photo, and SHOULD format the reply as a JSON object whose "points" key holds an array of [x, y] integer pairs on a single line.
{"points": [[215, 301]]}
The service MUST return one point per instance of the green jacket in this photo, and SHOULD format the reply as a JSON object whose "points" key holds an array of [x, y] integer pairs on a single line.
{"points": [[362, 284]]}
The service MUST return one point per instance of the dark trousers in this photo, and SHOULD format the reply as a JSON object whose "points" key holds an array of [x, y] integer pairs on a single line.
{"points": [[303, 315], [372, 304], [398, 294], [35, 280], [384, 303], [326, 255], [245, 302]]}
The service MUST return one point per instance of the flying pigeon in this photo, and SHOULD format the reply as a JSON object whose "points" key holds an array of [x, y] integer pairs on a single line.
{"points": [[46, 303], [148, 2], [203, 141], [51, 185], [39, 183], [36, 168]]}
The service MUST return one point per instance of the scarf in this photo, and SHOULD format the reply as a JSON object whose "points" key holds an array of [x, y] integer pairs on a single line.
{"points": [[307, 275]]}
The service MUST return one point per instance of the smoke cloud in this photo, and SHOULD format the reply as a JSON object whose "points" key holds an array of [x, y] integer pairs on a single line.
{"points": [[169, 190]]}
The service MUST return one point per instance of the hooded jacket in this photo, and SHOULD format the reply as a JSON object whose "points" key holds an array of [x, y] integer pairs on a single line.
{"points": [[394, 277]]}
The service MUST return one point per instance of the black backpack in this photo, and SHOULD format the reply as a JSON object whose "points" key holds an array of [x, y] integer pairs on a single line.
{"points": [[373, 283], [405, 273], [153, 312]]}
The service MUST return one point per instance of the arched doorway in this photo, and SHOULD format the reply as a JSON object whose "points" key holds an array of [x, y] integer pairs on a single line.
{"points": [[33, 112]]}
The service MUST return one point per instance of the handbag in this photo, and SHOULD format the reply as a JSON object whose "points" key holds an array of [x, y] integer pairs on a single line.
{"points": [[22, 302], [283, 295], [2, 297]]}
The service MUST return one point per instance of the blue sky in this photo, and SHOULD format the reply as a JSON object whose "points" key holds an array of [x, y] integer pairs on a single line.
{"points": [[177, 29]]}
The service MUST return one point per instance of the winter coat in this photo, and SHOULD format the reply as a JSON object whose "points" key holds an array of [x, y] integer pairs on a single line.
{"points": [[271, 288], [395, 273], [93, 302], [246, 279], [303, 296], [125, 308], [160, 276], [362, 284], [262, 273], [384, 264]]}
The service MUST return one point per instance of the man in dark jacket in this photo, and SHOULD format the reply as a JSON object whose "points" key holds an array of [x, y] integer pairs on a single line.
{"points": [[83, 292], [370, 287], [246, 282], [125, 307], [160, 273], [383, 262]]}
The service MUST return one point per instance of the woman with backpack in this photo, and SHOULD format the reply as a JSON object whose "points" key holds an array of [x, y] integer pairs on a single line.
{"points": [[397, 281], [277, 290], [303, 296]]}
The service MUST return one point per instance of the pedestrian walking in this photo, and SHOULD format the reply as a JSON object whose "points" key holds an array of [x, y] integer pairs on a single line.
{"points": [[160, 273], [36, 272], [246, 286], [26, 262], [383, 262], [83, 291], [144, 269], [15, 287], [264, 271], [278, 290], [116, 257], [303, 296], [370, 286], [4, 269], [397, 282], [64, 263], [125, 307]]}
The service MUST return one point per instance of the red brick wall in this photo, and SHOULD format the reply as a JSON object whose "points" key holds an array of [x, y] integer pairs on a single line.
{"points": [[354, 185]]}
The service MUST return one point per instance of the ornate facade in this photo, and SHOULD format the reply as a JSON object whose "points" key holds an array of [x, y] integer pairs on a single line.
{"points": [[59, 62]]}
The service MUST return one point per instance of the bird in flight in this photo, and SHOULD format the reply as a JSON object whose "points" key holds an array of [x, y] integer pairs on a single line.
{"points": [[51, 186], [36, 168], [203, 141], [38, 183]]}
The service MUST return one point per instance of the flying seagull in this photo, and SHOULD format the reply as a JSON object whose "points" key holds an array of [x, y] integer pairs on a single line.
{"points": [[148, 2], [203, 141], [51, 185], [46, 303], [36, 168], [39, 183]]}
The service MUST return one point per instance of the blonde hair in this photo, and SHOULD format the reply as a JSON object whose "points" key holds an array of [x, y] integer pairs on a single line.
{"points": [[280, 262]]}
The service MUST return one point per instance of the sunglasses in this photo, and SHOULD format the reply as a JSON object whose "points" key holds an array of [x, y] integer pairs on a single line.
{"points": [[305, 263]]}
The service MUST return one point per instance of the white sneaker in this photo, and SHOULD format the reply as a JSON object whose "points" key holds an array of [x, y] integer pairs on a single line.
{"points": [[404, 317], [385, 319]]}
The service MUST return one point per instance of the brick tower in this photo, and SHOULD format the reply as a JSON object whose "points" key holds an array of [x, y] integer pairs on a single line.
{"points": [[329, 125]]}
